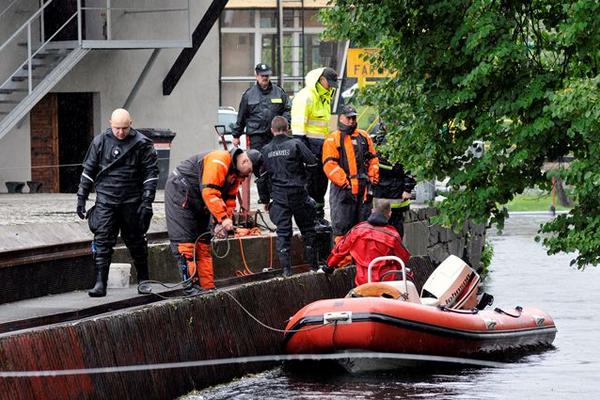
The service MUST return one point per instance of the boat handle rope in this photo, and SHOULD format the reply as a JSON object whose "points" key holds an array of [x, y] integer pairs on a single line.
{"points": [[458, 311], [518, 308]]}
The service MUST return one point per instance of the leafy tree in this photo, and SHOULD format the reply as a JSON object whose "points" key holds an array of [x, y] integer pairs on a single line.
{"points": [[522, 76]]}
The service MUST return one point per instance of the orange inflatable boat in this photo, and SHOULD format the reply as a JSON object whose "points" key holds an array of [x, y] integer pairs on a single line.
{"points": [[391, 317]]}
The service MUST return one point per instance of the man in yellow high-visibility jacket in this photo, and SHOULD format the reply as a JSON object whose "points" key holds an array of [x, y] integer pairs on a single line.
{"points": [[311, 113]]}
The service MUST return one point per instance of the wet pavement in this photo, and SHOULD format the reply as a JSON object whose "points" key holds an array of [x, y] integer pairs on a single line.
{"points": [[50, 208]]}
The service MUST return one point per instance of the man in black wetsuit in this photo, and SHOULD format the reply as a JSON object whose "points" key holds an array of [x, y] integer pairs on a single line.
{"points": [[121, 164]]}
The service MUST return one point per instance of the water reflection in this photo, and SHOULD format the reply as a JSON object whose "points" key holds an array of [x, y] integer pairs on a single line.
{"points": [[521, 274]]}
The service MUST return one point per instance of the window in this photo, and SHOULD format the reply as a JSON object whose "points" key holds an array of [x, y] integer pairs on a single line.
{"points": [[237, 19], [238, 59], [249, 36]]}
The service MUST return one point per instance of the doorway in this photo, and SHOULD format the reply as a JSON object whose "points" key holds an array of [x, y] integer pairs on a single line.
{"points": [[75, 133], [56, 15]]}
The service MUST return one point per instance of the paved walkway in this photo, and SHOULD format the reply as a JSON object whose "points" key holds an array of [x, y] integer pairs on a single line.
{"points": [[50, 208], [47, 208], [38, 219]]}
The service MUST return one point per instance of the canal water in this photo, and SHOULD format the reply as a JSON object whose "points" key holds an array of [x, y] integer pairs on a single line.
{"points": [[521, 274]]}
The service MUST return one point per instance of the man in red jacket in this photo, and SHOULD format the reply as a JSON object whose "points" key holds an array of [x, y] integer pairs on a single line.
{"points": [[368, 240]]}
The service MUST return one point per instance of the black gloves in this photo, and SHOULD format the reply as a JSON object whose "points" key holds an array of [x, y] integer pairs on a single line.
{"points": [[327, 269], [145, 213], [81, 207]]}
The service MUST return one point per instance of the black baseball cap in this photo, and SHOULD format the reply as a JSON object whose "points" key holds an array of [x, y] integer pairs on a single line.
{"points": [[349, 111], [263, 69], [331, 76]]}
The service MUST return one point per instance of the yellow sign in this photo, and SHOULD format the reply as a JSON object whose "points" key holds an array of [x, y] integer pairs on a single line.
{"points": [[359, 68]]}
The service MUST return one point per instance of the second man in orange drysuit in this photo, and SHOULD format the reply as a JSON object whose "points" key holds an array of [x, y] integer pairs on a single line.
{"points": [[350, 163]]}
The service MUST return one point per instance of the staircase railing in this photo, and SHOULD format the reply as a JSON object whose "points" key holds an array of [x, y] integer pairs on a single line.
{"points": [[7, 8], [31, 52], [33, 58]]}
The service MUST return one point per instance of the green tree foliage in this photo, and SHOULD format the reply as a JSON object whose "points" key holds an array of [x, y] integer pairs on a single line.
{"points": [[523, 76]]}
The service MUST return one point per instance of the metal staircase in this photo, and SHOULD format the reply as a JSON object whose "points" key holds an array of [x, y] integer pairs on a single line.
{"points": [[36, 63], [22, 90]]}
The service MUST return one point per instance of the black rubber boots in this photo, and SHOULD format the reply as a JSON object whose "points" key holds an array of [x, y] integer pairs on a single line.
{"points": [[99, 289], [285, 261]]}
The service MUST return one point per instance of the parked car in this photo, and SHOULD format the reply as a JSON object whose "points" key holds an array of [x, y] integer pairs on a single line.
{"points": [[228, 118]]}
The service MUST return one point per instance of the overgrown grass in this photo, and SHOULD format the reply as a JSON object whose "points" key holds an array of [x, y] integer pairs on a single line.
{"points": [[534, 202]]}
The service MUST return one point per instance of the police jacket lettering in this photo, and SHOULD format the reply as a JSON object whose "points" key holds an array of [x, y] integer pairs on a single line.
{"points": [[285, 161]]}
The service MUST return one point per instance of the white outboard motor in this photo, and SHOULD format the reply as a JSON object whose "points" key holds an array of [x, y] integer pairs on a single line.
{"points": [[453, 284]]}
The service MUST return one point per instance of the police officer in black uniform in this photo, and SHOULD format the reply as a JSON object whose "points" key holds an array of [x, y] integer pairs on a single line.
{"points": [[122, 165], [258, 106], [394, 185], [285, 164]]}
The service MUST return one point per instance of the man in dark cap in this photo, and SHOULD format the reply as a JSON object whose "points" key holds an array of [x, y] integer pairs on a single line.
{"points": [[351, 164], [259, 105], [311, 113]]}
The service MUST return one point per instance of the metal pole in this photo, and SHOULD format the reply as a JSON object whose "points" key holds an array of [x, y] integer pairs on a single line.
{"points": [[29, 75], [42, 30], [189, 12], [79, 36], [108, 21], [280, 40]]}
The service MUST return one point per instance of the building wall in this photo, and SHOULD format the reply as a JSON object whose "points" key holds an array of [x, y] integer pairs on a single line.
{"points": [[13, 54], [190, 110], [14, 148]]}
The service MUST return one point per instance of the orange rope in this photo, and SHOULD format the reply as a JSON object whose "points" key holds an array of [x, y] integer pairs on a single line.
{"points": [[239, 233], [246, 269], [242, 232]]}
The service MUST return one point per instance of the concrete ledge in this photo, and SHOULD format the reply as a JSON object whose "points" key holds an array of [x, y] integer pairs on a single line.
{"points": [[37, 279], [212, 326], [201, 328]]}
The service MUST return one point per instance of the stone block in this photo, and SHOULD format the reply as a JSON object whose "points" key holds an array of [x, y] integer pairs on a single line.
{"points": [[438, 253], [415, 238], [434, 235]]}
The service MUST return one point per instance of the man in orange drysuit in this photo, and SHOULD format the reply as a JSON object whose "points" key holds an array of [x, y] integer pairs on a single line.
{"points": [[202, 186], [351, 164], [368, 240]]}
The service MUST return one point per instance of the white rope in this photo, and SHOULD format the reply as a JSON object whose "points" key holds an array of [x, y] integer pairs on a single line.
{"points": [[252, 359]]}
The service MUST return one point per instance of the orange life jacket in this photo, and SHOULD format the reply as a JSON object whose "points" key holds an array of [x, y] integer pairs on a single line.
{"points": [[219, 183], [357, 159]]}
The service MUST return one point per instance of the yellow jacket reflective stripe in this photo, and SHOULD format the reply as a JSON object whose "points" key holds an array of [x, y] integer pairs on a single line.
{"points": [[404, 203], [311, 107]]}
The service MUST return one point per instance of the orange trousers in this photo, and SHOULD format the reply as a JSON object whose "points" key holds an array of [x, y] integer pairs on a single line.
{"points": [[202, 270]]}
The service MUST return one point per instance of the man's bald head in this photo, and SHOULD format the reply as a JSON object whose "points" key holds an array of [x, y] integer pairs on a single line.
{"points": [[120, 122]]}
